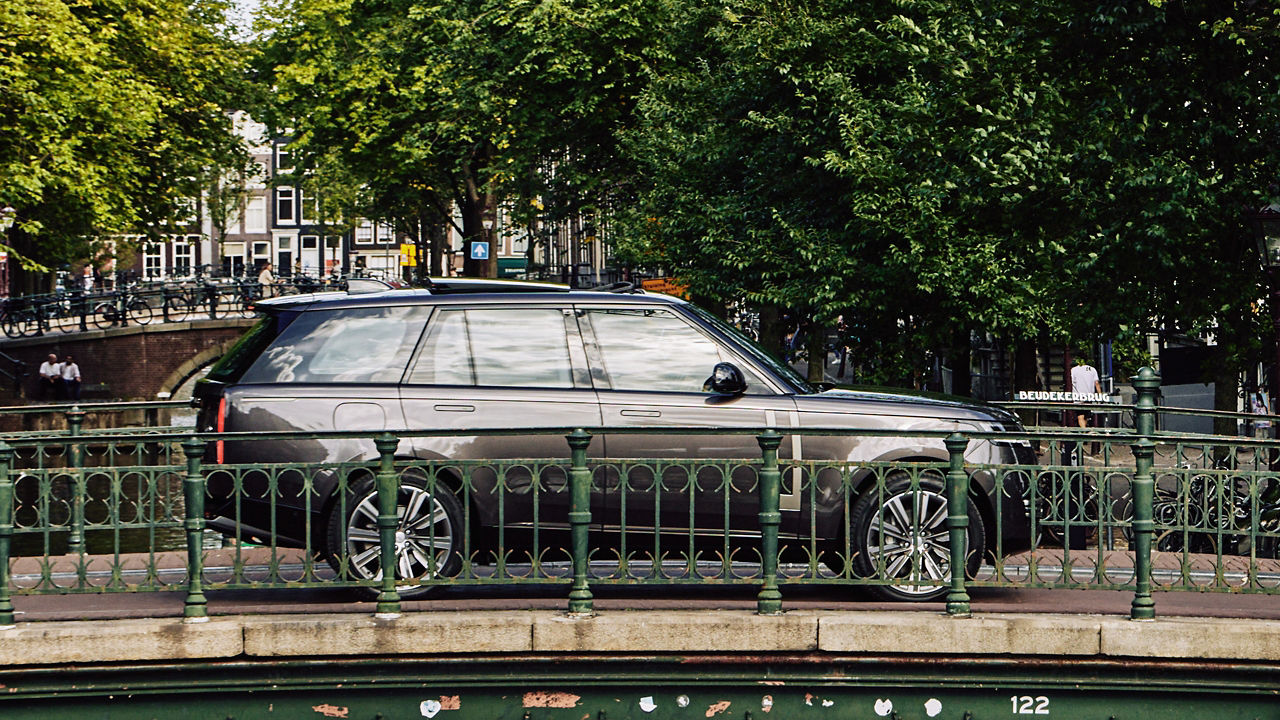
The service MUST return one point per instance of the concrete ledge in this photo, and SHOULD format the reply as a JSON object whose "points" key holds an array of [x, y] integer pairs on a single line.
{"points": [[119, 640], [678, 631], [624, 632], [928, 633], [410, 634], [1192, 638]]}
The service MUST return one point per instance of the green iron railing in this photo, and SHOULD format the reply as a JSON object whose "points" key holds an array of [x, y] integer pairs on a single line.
{"points": [[1142, 511]]}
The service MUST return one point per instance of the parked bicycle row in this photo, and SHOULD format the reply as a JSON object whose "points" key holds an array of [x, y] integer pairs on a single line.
{"points": [[142, 304]]}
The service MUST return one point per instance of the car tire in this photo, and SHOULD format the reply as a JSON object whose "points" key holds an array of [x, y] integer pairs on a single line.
{"points": [[879, 522], [430, 523]]}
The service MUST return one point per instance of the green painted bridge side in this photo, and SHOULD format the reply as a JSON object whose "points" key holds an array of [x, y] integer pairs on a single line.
{"points": [[644, 664]]}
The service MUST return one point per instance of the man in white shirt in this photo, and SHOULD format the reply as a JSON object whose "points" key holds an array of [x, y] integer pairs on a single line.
{"points": [[71, 378], [1084, 379], [51, 378]]}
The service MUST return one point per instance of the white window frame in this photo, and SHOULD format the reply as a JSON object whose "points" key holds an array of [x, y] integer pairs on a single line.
{"points": [[283, 194], [255, 215]]}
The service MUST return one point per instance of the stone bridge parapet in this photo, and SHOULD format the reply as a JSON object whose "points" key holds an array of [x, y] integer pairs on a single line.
{"points": [[137, 362]]}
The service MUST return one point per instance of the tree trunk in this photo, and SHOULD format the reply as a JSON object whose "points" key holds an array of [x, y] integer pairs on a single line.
{"points": [[771, 331], [817, 347]]}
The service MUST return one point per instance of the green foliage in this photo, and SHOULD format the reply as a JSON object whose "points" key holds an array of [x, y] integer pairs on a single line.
{"points": [[927, 168], [108, 113], [427, 104]]}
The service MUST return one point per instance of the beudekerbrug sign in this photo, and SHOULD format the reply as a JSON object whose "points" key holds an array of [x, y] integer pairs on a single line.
{"points": [[1052, 396]]}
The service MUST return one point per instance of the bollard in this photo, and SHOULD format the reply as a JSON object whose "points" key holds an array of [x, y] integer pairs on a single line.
{"points": [[769, 599], [195, 607], [958, 525], [388, 607], [581, 601], [6, 535], [75, 461], [1147, 384]]}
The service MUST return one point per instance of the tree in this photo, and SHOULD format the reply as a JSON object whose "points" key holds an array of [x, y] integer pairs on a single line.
{"points": [[108, 114], [434, 105]]}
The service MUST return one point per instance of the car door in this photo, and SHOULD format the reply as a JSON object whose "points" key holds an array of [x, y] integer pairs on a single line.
{"points": [[503, 367], [649, 365]]}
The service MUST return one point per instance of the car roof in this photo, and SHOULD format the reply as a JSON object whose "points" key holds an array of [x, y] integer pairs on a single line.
{"points": [[450, 290]]}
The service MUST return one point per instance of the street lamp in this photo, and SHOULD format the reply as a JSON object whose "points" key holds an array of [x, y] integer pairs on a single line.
{"points": [[1267, 232]]}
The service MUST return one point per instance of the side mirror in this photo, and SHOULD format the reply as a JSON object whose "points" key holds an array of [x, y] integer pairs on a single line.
{"points": [[726, 379]]}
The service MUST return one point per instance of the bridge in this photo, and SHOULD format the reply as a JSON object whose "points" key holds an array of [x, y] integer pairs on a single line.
{"points": [[117, 600], [134, 362]]}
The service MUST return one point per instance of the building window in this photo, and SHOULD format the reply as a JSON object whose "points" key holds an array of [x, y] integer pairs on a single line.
{"points": [[255, 215], [184, 256], [309, 206], [310, 242], [284, 206], [153, 261], [364, 233], [284, 161]]}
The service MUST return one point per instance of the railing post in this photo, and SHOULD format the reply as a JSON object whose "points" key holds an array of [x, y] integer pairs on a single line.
{"points": [[769, 599], [211, 295], [1146, 383], [122, 306], [581, 601], [388, 607], [75, 461], [82, 309], [6, 535], [195, 608], [958, 525], [164, 304]]}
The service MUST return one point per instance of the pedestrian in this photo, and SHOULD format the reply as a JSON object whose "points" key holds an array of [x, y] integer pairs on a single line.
{"points": [[1084, 379], [267, 281], [71, 378], [51, 378], [1259, 405]]}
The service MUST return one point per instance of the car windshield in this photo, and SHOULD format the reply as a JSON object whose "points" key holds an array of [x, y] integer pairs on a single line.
{"points": [[756, 351]]}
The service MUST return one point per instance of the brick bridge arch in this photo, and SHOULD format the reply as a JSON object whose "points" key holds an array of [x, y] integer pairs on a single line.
{"points": [[130, 363]]}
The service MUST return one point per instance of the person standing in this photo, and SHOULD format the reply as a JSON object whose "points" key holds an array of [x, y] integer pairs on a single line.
{"points": [[267, 281], [1084, 379], [71, 378], [51, 378], [1258, 405]]}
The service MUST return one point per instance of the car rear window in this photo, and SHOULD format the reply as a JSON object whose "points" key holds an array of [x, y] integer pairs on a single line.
{"points": [[232, 365], [353, 345]]}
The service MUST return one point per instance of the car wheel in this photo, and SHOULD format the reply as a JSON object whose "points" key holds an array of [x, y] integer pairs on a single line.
{"points": [[429, 532], [901, 535]]}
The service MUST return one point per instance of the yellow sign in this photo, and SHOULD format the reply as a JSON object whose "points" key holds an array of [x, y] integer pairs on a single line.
{"points": [[409, 255], [666, 286]]}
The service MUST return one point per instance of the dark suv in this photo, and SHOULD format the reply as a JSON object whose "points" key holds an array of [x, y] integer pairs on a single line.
{"points": [[475, 354]]}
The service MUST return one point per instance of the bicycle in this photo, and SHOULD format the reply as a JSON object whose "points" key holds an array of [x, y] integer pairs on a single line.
{"points": [[108, 312]]}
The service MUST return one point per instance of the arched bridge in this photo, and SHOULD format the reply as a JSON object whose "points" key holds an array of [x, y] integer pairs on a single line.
{"points": [[135, 362]]}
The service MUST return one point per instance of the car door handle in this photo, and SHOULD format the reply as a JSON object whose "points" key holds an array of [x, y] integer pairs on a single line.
{"points": [[642, 413], [456, 408]]}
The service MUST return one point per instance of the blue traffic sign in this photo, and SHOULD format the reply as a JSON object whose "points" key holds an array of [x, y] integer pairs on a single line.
{"points": [[479, 251]]}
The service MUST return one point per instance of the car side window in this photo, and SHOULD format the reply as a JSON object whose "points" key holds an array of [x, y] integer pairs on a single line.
{"points": [[656, 350], [353, 345], [496, 347]]}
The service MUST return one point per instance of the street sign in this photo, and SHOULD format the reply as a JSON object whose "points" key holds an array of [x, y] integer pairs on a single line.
{"points": [[479, 251], [408, 255]]}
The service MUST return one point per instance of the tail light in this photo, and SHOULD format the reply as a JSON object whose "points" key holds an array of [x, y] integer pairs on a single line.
{"points": [[221, 427]]}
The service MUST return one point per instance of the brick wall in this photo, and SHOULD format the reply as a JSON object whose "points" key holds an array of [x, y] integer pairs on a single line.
{"points": [[132, 363]]}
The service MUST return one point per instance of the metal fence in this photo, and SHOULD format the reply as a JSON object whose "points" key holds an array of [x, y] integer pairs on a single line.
{"points": [[79, 311], [1135, 510]]}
